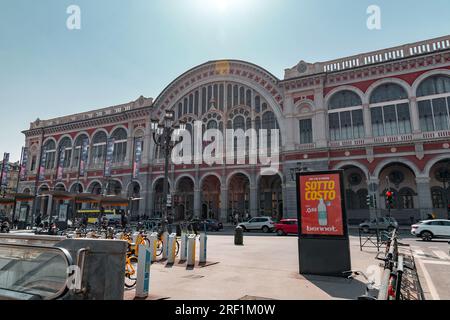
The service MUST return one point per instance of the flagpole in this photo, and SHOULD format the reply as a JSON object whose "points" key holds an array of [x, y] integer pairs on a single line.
{"points": [[33, 211]]}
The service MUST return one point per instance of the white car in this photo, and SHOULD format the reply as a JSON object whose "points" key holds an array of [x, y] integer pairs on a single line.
{"points": [[264, 224], [429, 229]]}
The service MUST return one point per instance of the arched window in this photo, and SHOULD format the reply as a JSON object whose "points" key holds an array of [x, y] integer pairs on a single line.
{"points": [[433, 101], [50, 150], [65, 146], [120, 137], [405, 199], [390, 110], [99, 148], [345, 114], [438, 197], [78, 148], [212, 124]]}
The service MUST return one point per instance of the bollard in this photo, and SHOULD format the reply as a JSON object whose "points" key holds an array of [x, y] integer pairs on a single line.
{"points": [[172, 248], [153, 245], [239, 236], [191, 250], [183, 246], [203, 247], [143, 272], [165, 240]]}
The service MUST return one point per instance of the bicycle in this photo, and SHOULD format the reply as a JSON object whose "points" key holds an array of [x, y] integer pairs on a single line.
{"points": [[131, 262], [370, 284]]}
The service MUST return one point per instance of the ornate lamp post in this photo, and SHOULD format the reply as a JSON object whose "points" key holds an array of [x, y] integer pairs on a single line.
{"points": [[298, 169], [166, 137]]}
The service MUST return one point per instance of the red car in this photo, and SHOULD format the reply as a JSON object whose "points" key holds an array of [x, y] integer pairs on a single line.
{"points": [[287, 226]]}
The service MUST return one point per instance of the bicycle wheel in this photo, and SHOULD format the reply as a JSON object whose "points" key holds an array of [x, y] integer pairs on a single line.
{"points": [[131, 272], [178, 248], [159, 249]]}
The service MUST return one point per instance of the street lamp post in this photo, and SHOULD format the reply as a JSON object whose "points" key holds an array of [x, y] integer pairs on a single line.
{"points": [[166, 137]]}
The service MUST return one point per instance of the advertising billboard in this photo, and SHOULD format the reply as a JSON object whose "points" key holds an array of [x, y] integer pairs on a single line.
{"points": [[60, 169], [109, 157], [5, 170], [83, 157], [24, 164], [137, 158], [321, 207]]}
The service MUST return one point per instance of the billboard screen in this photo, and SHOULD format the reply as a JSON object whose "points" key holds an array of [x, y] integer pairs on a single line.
{"points": [[321, 205]]}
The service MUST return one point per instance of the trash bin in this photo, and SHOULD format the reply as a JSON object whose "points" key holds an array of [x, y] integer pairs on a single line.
{"points": [[239, 236], [178, 230]]}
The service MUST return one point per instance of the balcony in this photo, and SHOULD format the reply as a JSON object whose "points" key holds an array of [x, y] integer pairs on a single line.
{"points": [[419, 137]]}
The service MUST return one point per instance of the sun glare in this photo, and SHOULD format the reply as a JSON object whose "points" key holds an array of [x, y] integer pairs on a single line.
{"points": [[221, 6]]}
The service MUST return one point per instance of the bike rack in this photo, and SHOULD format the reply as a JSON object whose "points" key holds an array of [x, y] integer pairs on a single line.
{"points": [[153, 245], [165, 240], [203, 247], [184, 246], [191, 250], [172, 248]]}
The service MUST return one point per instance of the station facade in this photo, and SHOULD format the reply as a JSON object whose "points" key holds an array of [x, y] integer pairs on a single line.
{"points": [[383, 117]]}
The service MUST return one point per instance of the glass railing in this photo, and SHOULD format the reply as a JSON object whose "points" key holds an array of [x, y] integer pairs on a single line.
{"points": [[33, 271]]}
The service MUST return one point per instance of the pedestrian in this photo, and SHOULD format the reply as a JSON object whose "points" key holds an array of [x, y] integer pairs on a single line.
{"points": [[236, 218], [38, 220], [247, 216]]}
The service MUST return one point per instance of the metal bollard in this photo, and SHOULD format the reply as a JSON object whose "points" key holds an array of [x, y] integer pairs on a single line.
{"points": [[172, 248], [153, 245], [239, 236], [143, 272], [203, 247], [191, 250], [165, 240], [184, 246]]}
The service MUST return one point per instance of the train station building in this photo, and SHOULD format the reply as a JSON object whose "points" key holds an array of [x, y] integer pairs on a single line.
{"points": [[383, 117]]}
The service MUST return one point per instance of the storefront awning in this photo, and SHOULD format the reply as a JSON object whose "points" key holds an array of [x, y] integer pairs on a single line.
{"points": [[114, 201], [7, 201], [87, 198]]}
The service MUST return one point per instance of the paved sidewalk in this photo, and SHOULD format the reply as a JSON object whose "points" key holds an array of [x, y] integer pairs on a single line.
{"points": [[266, 267]]}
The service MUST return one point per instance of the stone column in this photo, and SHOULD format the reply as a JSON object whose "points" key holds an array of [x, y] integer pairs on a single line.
{"points": [[254, 201], [149, 201], [415, 120], [367, 121], [320, 119], [424, 196], [223, 204], [197, 202], [290, 199]]}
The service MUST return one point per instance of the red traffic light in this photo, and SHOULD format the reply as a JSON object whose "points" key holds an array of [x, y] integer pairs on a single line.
{"points": [[389, 194]]}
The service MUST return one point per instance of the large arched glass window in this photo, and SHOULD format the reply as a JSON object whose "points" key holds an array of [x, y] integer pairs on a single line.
{"points": [[99, 148], [66, 146], [390, 110], [50, 150], [345, 116], [77, 149], [120, 137], [433, 101]]}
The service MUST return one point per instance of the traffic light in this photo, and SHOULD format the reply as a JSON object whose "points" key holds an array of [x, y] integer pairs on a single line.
{"points": [[389, 198], [370, 201]]}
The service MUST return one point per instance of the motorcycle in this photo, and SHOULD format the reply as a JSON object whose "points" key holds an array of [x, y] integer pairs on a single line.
{"points": [[4, 227]]}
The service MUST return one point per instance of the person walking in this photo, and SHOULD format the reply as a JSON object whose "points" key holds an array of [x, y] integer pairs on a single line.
{"points": [[38, 220]]}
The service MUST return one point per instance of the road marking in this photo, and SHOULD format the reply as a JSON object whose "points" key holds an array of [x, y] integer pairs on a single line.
{"points": [[428, 280], [441, 255], [419, 252], [443, 263]]}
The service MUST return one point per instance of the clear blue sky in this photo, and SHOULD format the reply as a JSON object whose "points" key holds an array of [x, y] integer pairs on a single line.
{"points": [[136, 47]]}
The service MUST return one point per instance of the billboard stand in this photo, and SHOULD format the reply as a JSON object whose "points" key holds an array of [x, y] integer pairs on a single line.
{"points": [[324, 247]]}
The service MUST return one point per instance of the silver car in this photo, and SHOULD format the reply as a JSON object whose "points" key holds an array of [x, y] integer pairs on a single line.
{"points": [[387, 223]]}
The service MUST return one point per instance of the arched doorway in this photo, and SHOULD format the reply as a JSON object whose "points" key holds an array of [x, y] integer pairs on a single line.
{"points": [[356, 192], [159, 198], [440, 188], [239, 195], [184, 199], [211, 201], [42, 201], [134, 194], [401, 180], [114, 187], [271, 197]]}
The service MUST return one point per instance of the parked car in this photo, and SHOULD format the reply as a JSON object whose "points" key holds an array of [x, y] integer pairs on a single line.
{"points": [[264, 224], [386, 223], [211, 224], [287, 226], [430, 229]]}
